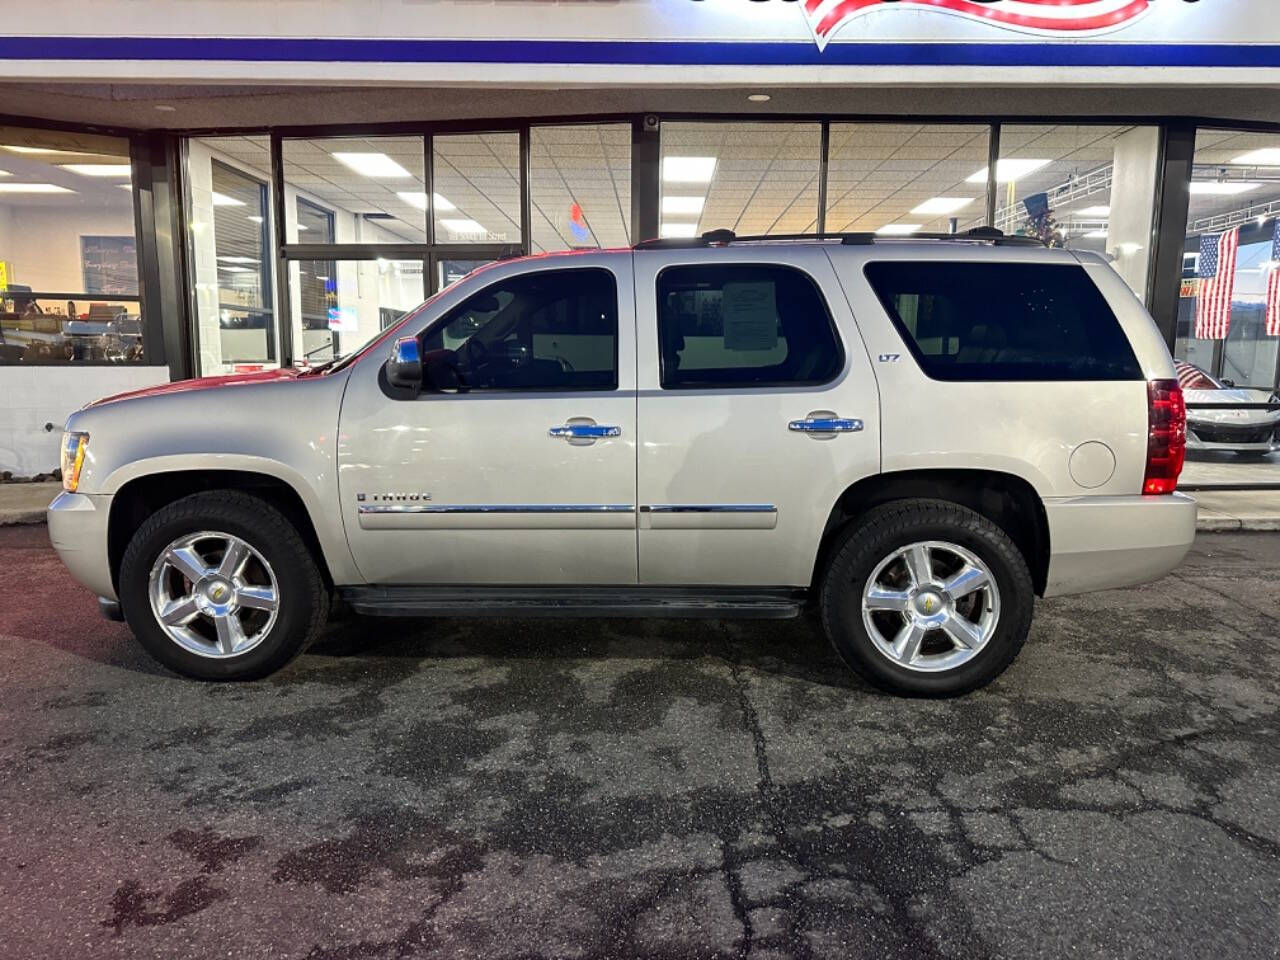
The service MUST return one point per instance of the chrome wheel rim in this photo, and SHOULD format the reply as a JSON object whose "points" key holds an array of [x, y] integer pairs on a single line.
{"points": [[930, 606], [213, 594]]}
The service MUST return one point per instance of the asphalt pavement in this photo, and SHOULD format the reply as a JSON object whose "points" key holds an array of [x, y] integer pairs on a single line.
{"points": [[665, 789]]}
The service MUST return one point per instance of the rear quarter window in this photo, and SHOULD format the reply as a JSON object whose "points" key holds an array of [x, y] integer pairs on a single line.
{"points": [[1003, 321]]}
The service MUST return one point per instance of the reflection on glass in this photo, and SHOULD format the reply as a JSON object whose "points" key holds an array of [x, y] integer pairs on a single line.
{"points": [[751, 178], [354, 301], [477, 188], [449, 272], [898, 179], [580, 186], [68, 261]]}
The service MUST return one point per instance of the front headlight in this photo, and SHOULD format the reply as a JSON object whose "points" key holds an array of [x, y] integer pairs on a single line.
{"points": [[73, 447]]}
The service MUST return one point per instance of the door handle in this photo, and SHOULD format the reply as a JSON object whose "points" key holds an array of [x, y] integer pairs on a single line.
{"points": [[829, 424], [584, 431]]}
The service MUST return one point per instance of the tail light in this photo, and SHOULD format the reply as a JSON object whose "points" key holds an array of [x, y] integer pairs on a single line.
{"points": [[1166, 436]]}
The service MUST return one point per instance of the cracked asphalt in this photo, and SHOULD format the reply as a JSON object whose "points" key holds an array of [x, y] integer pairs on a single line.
{"points": [[661, 789]]}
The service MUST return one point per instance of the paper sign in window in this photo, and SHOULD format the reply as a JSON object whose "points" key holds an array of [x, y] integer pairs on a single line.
{"points": [[750, 313]]}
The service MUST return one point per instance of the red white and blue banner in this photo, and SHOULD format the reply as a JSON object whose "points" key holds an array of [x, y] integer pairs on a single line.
{"points": [[1217, 270], [625, 42]]}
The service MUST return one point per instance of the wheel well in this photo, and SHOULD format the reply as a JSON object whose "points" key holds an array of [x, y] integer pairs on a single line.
{"points": [[140, 498], [1008, 501]]}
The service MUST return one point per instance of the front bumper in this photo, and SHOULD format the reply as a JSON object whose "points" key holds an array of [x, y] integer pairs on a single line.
{"points": [[1097, 543], [78, 531]]}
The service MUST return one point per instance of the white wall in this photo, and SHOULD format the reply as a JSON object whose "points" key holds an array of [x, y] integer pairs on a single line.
{"points": [[1134, 176], [32, 396]]}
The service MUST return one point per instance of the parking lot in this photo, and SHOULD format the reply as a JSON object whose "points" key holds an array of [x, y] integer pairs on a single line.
{"points": [[646, 788]]}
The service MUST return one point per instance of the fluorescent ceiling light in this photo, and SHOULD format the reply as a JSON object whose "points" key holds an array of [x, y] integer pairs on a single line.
{"points": [[125, 186], [98, 169], [678, 230], [301, 226], [688, 169], [1215, 188], [5, 173], [942, 206], [898, 229], [226, 269], [1010, 168], [678, 205], [254, 219], [418, 198], [33, 188], [1095, 235], [15, 149], [222, 200], [1266, 157], [461, 226], [237, 260], [1093, 212], [372, 165]]}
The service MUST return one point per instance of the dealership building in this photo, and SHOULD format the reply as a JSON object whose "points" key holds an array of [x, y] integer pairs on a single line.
{"points": [[224, 185]]}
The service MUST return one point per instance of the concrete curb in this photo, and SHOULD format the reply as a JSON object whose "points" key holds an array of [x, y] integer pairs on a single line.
{"points": [[16, 518]]}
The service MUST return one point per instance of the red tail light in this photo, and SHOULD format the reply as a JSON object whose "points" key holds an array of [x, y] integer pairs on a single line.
{"points": [[1166, 436]]}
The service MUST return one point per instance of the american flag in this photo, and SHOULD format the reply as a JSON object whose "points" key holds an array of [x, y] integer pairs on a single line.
{"points": [[1217, 270], [825, 17], [1273, 286]]}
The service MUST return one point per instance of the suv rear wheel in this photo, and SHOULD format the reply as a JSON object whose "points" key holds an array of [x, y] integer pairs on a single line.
{"points": [[220, 586], [927, 597]]}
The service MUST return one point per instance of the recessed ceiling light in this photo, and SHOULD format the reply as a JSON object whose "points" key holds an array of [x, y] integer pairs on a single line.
{"points": [[1100, 211], [898, 229], [1096, 235], [461, 226], [226, 269], [254, 219], [759, 97], [941, 206], [688, 169], [373, 165], [125, 186], [98, 169], [678, 230], [1215, 188], [301, 226], [1266, 157], [1010, 168], [165, 108], [679, 205], [222, 200], [33, 188], [237, 260], [418, 198], [5, 173], [16, 149]]}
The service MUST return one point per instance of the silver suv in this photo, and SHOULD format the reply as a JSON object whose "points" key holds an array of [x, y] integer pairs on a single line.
{"points": [[914, 438]]}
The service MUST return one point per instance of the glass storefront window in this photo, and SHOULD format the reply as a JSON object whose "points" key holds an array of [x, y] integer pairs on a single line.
{"points": [[1084, 187], [477, 188], [751, 178], [580, 186], [229, 219], [68, 250], [374, 186], [901, 179], [340, 305]]}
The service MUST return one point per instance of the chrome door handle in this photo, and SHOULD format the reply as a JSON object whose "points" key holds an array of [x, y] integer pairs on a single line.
{"points": [[584, 431], [825, 425]]}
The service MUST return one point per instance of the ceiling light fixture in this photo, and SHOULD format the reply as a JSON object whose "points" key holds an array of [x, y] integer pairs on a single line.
{"points": [[418, 198], [688, 169], [898, 229], [1099, 211], [1010, 168], [17, 149], [683, 205], [222, 200], [1220, 188], [759, 97], [32, 188], [237, 260], [98, 169], [1095, 235], [677, 230], [1266, 157], [372, 165], [942, 206], [165, 108]]}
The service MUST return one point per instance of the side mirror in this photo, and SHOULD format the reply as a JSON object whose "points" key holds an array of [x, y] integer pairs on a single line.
{"points": [[404, 366], [441, 370]]}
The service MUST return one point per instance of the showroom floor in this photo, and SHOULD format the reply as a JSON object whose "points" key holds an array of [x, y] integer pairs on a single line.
{"points": [[599, 789]]}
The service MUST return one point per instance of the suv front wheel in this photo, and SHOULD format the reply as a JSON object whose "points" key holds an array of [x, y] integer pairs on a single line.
{"points": [[927, 597], [220, 586]]}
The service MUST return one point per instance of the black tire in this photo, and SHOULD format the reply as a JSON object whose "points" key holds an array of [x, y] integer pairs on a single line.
{"points": [[865, 543], [303, 597]]}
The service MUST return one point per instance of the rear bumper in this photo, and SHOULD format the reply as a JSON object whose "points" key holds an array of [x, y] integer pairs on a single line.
{"points": [[78, 531], [1097, 543]]}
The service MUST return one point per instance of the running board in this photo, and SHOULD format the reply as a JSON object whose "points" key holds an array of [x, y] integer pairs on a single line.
{"points": [[461, 601]]}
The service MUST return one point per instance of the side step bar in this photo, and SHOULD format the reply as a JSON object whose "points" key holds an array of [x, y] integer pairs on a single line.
{"points": [[462, 601]]}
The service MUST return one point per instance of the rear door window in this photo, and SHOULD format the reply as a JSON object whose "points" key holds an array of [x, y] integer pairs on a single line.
{"points": [[1003, 321]]}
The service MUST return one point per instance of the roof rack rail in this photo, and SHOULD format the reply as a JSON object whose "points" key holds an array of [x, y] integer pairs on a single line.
{"points": [[716, 238]]}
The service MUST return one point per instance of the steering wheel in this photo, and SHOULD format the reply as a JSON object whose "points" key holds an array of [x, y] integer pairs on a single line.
{"points": [[565, 365]]}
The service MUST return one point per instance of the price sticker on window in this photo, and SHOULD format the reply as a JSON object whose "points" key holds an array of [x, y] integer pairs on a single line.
{"points": [[750, 314]]}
